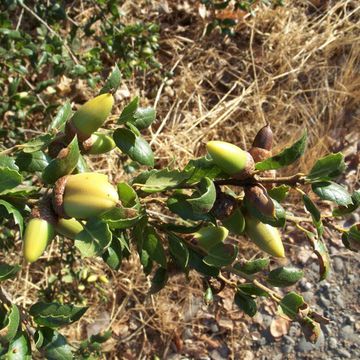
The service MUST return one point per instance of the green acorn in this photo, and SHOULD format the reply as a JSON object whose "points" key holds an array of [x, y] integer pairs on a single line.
{"points": [[98, 144], [68, 227], [90, 117], [265, 236], [209, 236], [39, 232], [84, 195], [231, 159]]}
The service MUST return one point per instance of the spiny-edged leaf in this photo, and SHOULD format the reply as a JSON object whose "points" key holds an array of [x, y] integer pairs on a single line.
{"points": [[286, 157], [128, 113], [153, 246], [203, 199], [202, 167], [134, 146], [62, 116], [8, 271], [344, 210], [32, 162], [94, 239], [251, 289], [62, 166], [36, 144], [311, 329], [221, 255], [127, 195], [113, 81], [279, 193], [8, 162], [178, 204], [178, 250], [284, 276], [196, 262], [253, 266], [315, 214], [9, 179], [10, 325], [15, 213], [328, 167], [54, 314], [351, 238], [291, 304], [163, 180], [113, 254], [143, 117], [330, 191], [121, 218], [19, 348], [54, 346], [246, 303], [159, 280], [277, 221]]}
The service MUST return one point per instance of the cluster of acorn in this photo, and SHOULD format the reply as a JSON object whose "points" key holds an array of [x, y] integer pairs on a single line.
{"points": [[78, 196], [234, 214]]}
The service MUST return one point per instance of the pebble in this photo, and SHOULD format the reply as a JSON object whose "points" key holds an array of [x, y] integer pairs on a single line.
{"points": [[267, 319], [187, 334], [305, 285], [308, 296], [289, 340], [286, 349], [347, 332], [214, 328], [338, 264], [340, 301], [344, 353], [304, 346], [332, 343], [325, 301], [215, 355]]}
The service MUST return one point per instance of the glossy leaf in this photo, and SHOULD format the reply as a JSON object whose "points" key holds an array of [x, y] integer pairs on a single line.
{"points": [[113, 81], [200, 168], [179, 251], [19, 348], [134, 146], [279, 193], [344, 210], [143, 117], [62, 116], [351, 238], [251, 289], [62, 166], [284, 276], [113, 254], [54, 346], [286, 157], [203, 199], [8, 271], [36, 144], [221, 255], [332, 192], [163, 180], [246, 303], [291, 304], [32, 162], [315, 214], [159, 280], [127, 195], [9, 179], [8, 162], [94, 239], [121, 218], [55, 315], [11, 324], [328, 167], [196, 262], [153, 246], [253, 266], [127, 114], [15, 213]]}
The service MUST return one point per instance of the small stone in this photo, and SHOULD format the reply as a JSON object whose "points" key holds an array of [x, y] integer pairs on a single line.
{"points": [[187, 334], [308, 296], [286, 349], [214, 328], [332, 343], [215, 355], [289, 340], [338, 264], [344, 353], [325, 301], [267, 319], [304, 346], [347, 332], [340, 301]]}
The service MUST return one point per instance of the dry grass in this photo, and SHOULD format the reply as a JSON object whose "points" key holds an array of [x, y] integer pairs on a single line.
{"points": [[295, 67]]}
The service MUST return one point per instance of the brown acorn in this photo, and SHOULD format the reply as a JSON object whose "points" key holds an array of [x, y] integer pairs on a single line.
{"points": [[257, 197], [264, 138]]}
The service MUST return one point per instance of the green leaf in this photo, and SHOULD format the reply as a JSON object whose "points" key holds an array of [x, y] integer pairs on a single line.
{"points": [[279, 193], [15, 213], [121, 218], [246, 303], [159, 280], [143, 117], [55, 315], [94, 239], [163, 180], [8, 162], [290, 305], [127, 114], [203, 199], [221, 255], [54, 346], [62, 116], [351, 238], [253, 266], [284, 276], [127, 195], [208, 296], [38, 143], [311, 329], [134, 146], [62, 166], [196, 262], [82, 166], [113, 254], [252, 290], [286, 157], [344, 210], [153, 246], [330, 191], [328, 167], [197, 169], [19, 348], [179, 251], [8, 271], [113, 81], [315, 214], [32, 162], [10, 325], [9, 179]]}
